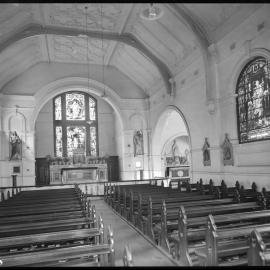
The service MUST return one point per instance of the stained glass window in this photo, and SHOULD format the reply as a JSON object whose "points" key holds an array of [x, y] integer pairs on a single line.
{"points": [[58, 109], [75, 106], [58, 142], [93, 141], [253, 101], [92, 109], [75, 139], [75, 128]]}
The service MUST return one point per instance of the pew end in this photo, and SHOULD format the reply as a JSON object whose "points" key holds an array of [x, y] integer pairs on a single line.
{"points": [[256, 250], [127, 257]]}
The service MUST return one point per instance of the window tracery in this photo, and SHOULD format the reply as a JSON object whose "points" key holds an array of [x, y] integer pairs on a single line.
{"points": [[253, 101], [75, 124]]}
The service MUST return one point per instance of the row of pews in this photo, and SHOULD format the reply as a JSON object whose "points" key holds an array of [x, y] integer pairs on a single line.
{"points": [[54, 227], [199, 224]]}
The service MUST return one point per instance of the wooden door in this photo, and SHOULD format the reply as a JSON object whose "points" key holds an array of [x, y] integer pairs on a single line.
{"points": [[42, 172]]}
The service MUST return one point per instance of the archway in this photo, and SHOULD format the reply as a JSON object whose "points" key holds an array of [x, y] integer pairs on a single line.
{"points": [[171, 144], [107, 104]]}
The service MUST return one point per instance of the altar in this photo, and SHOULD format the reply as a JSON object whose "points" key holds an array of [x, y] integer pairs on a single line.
{"points": [[79, 168], [68, 174], [83, 169]]}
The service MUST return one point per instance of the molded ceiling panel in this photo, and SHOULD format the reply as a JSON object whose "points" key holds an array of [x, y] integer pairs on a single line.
{"points": [[170, 39]]}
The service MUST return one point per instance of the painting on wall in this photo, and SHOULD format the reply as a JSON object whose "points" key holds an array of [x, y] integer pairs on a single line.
{"points": [[206, 153], [227, 150], [138, 143], [15, 146]]}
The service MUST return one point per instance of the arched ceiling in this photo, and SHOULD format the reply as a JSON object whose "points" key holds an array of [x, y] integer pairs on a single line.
{"points": [[147, 52]]}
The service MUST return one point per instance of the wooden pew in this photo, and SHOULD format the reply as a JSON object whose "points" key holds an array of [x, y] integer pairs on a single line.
{"points": [[28, 197], [60, 256], [164, 229], [140, 202], [227, 192], [152, 207], [222, 243], [154, 212], [21, 242], [193, 230], [59, 230], [247, 195], [43, 208], [122, 192], [259, 252], [44, 226]]}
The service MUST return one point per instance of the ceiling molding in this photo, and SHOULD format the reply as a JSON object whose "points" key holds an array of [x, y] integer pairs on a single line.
{"points": [[127, 38]]}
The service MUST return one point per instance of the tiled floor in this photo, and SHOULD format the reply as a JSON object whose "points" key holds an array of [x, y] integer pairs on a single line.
{"points": [[143, 252]]}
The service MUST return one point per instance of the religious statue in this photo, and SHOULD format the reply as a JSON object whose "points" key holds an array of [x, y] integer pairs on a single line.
{"points": [[174, 149], [15, 146], [138, 143], [227, 151], [206, 153]]}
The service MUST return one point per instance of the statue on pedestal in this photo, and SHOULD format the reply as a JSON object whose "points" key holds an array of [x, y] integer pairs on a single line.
{"points": [[15, 146], [138, 143]]}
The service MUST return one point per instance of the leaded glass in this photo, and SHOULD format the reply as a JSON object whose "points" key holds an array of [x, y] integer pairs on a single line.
{"points": [[75, 139], [58, 142], [92, 109], [75, 106], [79, 136], [93, 141], [253, 101], [58, 109]]}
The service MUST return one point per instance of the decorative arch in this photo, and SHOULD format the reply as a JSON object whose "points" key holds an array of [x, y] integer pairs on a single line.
{"points": [[236, 71], [157, 151], [138, 116], [10, 118], [78, 84], [158, 125], [58, 87], [169, 140]]}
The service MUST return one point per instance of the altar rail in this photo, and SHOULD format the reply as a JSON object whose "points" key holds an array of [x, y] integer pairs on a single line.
{"points": [[92, 189]]}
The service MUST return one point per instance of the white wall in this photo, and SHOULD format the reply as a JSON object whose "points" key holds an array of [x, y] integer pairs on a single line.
{"points": [[252, 162]]}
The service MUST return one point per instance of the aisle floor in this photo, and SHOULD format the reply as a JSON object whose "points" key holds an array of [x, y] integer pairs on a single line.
{"points": [[144, 253]]}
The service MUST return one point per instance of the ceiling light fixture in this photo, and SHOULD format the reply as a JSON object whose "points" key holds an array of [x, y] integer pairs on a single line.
{"points": [[152, 12]]}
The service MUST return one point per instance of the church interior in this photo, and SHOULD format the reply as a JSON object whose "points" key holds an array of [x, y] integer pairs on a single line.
{"points": [[134, 134]]}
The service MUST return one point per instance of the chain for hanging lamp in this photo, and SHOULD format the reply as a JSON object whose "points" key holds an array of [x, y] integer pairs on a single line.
{"points": [[102, 50], [87, 49]]}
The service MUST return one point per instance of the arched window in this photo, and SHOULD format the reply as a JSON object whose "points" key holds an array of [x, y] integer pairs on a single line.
{"points": [[253, 106], [75, 124]]}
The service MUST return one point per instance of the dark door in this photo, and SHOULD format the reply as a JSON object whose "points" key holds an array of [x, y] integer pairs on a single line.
{"points": [[42, 172], [113, 168]]}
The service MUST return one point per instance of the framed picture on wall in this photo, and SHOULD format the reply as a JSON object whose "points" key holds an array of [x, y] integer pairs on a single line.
{"points": [[16, 169]]}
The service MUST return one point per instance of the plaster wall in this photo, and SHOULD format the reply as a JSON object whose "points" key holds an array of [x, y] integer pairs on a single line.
{"points": [[251, 161], [16, 111]]}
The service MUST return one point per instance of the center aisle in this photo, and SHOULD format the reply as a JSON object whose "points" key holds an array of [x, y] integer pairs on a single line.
{"points": [[143, 252]]}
